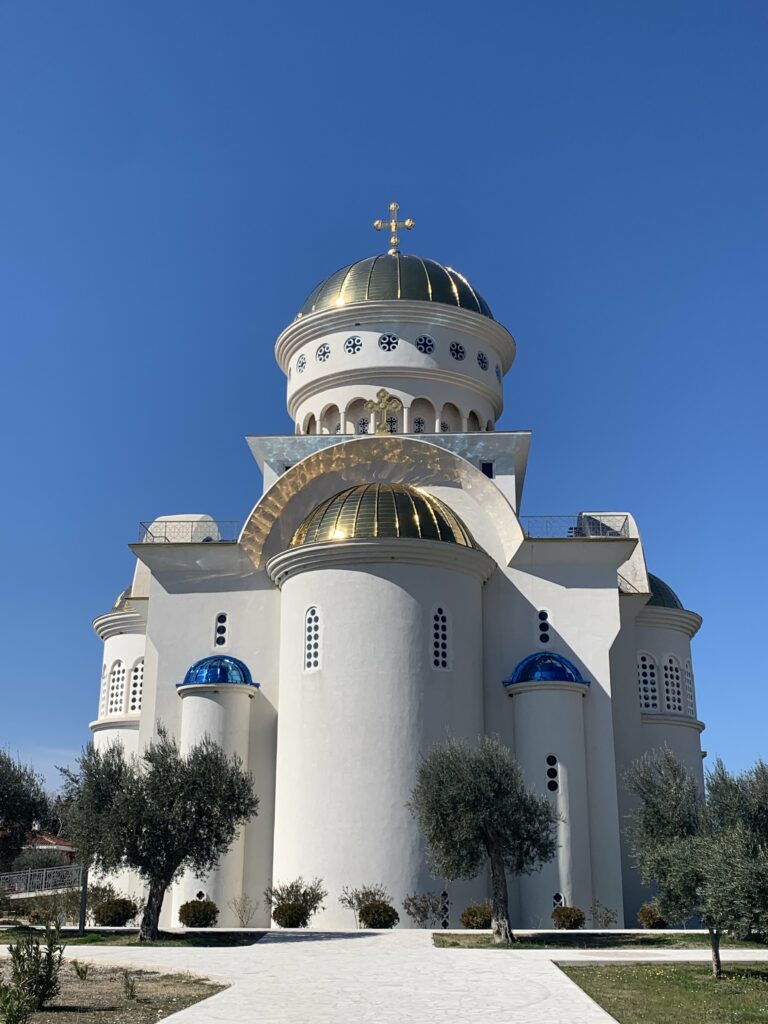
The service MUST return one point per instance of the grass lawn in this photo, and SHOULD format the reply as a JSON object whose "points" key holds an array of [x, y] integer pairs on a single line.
{"points": [[587, 940], [108, 938], [677, 993], [102, 998]]}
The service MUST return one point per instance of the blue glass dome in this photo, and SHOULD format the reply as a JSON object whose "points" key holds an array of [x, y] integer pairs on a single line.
{"points": [[218, 669], [545, 667]]}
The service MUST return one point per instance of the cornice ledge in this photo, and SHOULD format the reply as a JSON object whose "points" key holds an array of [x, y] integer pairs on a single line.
{"points": [[341, 555], [670, 618], [371, 376], [116, 722], [316, 325], [665, 719], [246, 689], [114, 623], [547, 686]]}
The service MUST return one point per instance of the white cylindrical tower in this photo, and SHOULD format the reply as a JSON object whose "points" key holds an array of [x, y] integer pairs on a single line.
{"points": [[548, 713], [123, 630], [408, 325], [380, 658], [216, 703], [666, 689]]}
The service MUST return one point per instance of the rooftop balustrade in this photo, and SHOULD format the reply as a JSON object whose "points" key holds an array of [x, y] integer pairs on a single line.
{"points": [[190, 531], [577, 526]]}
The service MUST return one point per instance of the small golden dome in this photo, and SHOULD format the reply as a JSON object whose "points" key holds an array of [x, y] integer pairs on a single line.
{"points": [[382, 510]]}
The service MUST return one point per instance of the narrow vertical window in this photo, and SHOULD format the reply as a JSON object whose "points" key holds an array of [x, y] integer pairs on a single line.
{"points": [[647, 682], [543, 626], [553, 773], [221, 630], [116, 699], [104, 691], [690, 693], [673, 685], [311, 639], [137, 685], [441, 658]]}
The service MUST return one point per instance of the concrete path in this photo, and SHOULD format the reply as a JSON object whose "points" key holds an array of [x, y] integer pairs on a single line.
{"points": [[383, 977]]}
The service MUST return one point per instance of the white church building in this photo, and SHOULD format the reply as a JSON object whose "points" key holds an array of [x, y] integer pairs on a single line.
{"points": [[387, 592]]}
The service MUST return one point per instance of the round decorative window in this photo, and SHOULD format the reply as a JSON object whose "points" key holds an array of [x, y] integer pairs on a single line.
{"points": [[353, 345], [419, 425], [425, 344], [392, 424], [482, 360], [443, 427], [323, 353], [362, 425], [457, 350], [388, 342], [301, 363], [498, 373]]}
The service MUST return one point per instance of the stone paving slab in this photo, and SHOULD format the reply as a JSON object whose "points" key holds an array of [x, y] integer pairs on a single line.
{"points": [[394, 977]]}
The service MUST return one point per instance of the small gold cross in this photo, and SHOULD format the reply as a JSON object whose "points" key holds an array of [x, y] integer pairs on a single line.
{"points": [[385, 403], [393, 224]]}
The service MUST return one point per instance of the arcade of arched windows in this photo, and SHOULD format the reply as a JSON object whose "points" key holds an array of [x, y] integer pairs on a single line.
{"points": [[420, 417]]}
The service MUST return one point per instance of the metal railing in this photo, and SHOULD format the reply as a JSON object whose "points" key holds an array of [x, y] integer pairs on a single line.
{"points": [[189, 531], [575, 526], [41, 880]]}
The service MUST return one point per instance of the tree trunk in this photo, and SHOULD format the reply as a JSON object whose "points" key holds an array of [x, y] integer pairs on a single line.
{"points": [[151, 916], [500, 901], [717, 967]]}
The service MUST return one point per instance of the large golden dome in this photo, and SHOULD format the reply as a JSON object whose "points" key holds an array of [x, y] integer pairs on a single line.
{"points": [[394, 275], [382, 510]]}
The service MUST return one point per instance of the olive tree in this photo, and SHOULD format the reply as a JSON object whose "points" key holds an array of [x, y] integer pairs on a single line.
{"points": [[705, 852], [23, 804], [474, 810], [159, 814]]}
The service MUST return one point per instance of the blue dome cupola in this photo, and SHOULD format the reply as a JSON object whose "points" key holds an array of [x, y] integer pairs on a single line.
{"points": [[218, 669], [545, 667]]}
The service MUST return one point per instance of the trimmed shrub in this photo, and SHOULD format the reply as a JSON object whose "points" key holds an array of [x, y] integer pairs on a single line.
{"points": [[115, 913], [649, 917], [198, 914], [293, 903], [16, 1005], [378, 914], [35, 966], [356, 899], [424, 908], [568, 917], [476, 915]]}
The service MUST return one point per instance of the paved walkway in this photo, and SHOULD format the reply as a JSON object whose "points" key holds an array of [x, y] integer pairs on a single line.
{"points": [[384, 977]]}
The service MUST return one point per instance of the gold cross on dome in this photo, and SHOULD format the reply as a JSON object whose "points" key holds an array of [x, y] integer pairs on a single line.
{"points": [[384, 403], [393, 224]]}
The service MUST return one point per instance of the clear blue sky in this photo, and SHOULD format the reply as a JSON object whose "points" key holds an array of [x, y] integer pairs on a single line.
{"points": [[176, 176]]}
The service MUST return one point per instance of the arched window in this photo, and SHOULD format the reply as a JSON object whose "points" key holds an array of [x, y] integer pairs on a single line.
{"points": [[673, 685], [103, 691], [137, 685], [311, 639], [690, 693], [452, 417], [310, 425], [473, 423], [422, 416], [647, 682], [116, 698], [441, 651], [330, 421]]}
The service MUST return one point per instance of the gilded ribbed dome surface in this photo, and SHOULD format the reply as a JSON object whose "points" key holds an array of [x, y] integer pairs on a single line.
{"points": [[382, 510], [394, 275]]}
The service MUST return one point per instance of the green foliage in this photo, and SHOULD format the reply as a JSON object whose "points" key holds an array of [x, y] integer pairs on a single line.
{"points": [[160, 814], [129, 985], [649, 917], [34, 858], [474, 810], [378, 914], [22, 805], [36, 966], [16, 1005], [81, 970], [425, 909], [705, 852], [356, 899], [198, 914], [568, 917], [476, 915], [115, 913], [294, 903]]}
